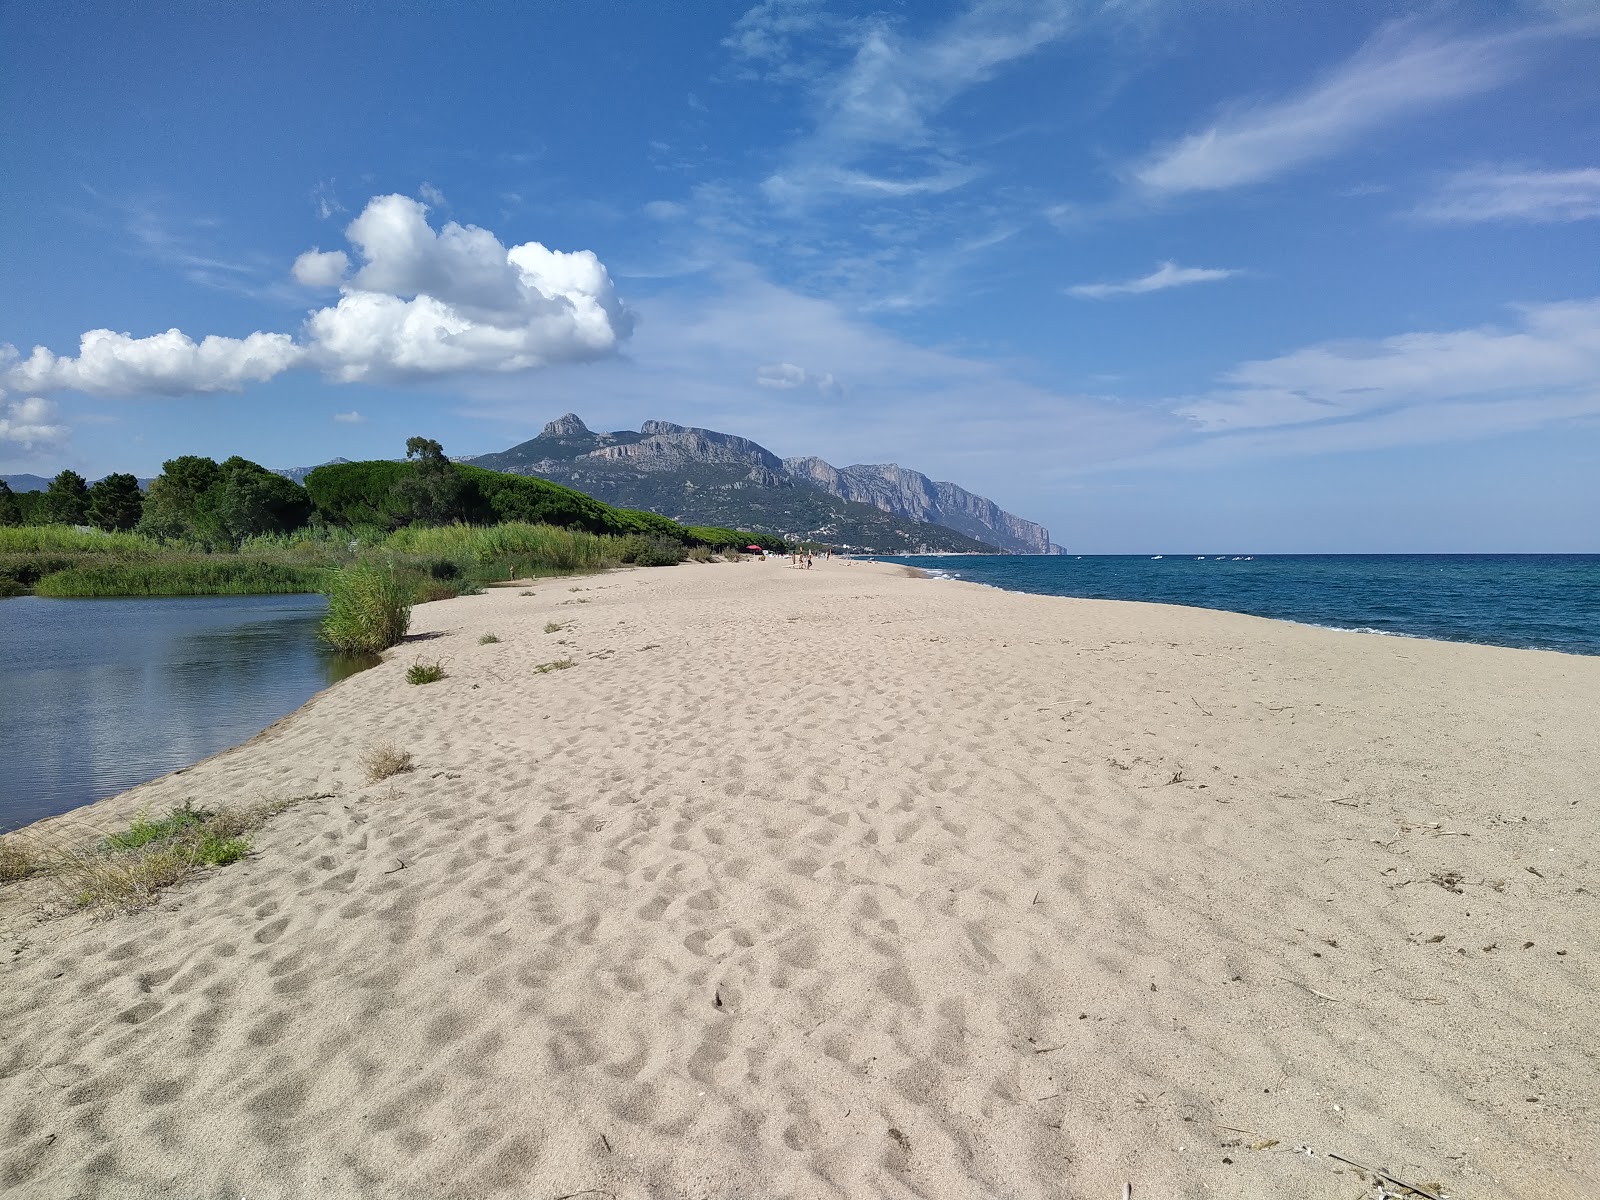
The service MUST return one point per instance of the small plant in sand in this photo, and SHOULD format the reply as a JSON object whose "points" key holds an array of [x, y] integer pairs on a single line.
{"points": [[555, 626], [488, 639], [560, 664], [19, 858], [127, 869], [383, 759], [421, 672]]}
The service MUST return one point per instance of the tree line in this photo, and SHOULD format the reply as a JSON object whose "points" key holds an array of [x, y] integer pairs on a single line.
{"points": [[218, 505]]}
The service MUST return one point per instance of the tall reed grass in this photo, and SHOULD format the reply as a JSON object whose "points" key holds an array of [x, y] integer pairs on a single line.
{"points": [[545, 548], [369, 609], [197, 575], [37, 539]]}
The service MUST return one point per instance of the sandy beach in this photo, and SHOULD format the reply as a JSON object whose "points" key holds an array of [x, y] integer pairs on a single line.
{"points": [[846, 883]]}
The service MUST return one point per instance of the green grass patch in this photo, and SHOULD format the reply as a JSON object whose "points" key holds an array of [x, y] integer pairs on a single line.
{"points": [[555, 626], [560, 664], [420, 672], [488, 639], [143, 831], [126, 870]]}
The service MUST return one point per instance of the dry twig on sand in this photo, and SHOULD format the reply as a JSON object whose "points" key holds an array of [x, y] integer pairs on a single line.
{"points": [[1410, 1187]]}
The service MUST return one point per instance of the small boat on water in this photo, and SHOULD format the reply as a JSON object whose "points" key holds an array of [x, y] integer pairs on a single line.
{"points": [[1153, 557]]}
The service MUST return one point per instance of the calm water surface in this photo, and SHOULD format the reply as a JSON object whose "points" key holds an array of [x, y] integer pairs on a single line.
{"points": [[1535, 601], [98, 695]]}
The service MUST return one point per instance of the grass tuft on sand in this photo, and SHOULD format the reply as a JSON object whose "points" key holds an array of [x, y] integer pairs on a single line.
{"points": [[560, 664], [20, 857], [125, 871], [383, 759], [420, 672]]}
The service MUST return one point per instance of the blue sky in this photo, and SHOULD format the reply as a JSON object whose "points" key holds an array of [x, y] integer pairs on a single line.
{"points": [[1162, 276]]}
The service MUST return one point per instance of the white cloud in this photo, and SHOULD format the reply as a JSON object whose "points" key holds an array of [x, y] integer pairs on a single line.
{"points": [[325, 200], [1550, 363], [664, 210], [1167, 275], [1514, 195], [764, 37], [893, 86], [786, 376], [321, 269], [350, 418], [421, 304], [432, 196], [166, 364], [1397, 73], [29, 424], [427, 303]]}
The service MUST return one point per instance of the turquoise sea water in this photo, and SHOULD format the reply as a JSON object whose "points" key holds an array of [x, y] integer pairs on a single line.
{"points": [[1537, 601]]}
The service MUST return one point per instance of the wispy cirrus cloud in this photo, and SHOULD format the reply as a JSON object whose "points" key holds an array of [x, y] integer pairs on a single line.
{"points": [[874, 133], [1401, 71], [1508, 194], [1548, 363], [1166, 275]]}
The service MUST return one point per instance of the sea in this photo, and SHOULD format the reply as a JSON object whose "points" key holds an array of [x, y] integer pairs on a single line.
{"points": [[1529, 601]]}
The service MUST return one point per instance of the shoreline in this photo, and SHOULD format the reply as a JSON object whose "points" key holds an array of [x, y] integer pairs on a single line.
{"points": [[829, 883]]}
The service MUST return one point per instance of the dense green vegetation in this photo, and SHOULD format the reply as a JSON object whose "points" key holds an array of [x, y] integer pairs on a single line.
{"points": [[369, 609], [430, 527], [188, 575]]}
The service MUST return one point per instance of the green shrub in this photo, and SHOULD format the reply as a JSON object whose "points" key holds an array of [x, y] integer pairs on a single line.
{"points": [[660, 553], [488, 639], [143, 831], [369, 609], [421, 672]]}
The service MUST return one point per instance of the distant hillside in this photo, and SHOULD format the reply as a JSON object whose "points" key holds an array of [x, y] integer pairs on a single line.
{"points": [[702, 476], [37, 483], [298, 474], [26, 483]]}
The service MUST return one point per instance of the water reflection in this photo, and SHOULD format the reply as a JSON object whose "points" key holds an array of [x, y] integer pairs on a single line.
{"points": [[99, 695]]}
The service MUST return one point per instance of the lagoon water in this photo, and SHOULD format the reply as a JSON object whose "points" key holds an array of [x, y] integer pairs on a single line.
{"points": [[1536, 601], [99, 695]]}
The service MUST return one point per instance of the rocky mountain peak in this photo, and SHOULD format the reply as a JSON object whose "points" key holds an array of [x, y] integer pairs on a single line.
{"points": [[566, 425], [655, 428]]}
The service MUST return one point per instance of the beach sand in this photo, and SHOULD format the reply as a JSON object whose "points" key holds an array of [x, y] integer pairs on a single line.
{"points": [[845, 883]]}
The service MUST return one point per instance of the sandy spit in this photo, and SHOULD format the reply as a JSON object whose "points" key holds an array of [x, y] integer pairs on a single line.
{"points": [[848, 884]]}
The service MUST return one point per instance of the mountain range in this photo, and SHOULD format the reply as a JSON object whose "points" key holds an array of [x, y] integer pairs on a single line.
{"points": [[700, 476]]}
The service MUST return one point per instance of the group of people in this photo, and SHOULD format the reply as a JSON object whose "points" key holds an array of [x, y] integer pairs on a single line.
{"points": [[801, 560]]}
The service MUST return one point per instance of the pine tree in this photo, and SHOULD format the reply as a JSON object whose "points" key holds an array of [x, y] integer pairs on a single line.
{"points": [[116, 503], [66, 501]]}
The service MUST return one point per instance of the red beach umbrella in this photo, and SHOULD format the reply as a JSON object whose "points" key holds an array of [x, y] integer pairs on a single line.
{"points": [[752, 547]]}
